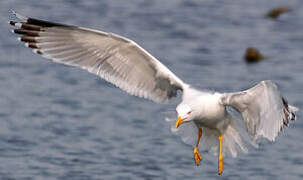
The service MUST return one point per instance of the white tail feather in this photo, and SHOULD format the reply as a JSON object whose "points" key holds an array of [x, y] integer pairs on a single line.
{"points": [[235, 138]]}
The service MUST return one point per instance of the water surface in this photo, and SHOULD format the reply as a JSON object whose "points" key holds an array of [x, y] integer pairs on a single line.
{"points": [[59, 122]]}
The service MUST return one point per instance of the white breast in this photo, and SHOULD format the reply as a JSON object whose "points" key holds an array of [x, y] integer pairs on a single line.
{"points": [[210, 109], [206, 107]]}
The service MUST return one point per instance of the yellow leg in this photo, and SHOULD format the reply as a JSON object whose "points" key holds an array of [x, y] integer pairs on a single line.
{"points": [[197, 155], [220, 165]]}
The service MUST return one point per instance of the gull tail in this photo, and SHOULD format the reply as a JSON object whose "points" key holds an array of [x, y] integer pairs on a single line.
{"points": [[235, 138]]}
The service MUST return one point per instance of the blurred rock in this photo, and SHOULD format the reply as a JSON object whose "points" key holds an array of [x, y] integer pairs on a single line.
{"points": [[253, 55], [276, 12]]}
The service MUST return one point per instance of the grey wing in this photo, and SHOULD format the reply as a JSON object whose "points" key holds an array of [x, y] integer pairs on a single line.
{"points": [[110, 56], [263, 109]]}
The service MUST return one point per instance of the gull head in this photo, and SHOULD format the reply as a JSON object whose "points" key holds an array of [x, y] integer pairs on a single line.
{"points": [[184, 114]]}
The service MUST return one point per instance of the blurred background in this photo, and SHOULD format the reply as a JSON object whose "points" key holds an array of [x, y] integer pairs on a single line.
{"points": [[59, 122]]}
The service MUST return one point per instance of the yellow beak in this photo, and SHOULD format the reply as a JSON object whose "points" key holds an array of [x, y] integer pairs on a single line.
{"points": [[179, 121]]}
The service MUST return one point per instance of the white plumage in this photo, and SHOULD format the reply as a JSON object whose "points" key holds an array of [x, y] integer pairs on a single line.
{"points": [[128, 66]]}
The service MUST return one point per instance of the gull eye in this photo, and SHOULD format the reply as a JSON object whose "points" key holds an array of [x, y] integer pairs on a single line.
{"points": [[189, 112]]}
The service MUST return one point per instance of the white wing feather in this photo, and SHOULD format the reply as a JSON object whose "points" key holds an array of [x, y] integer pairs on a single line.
{"points": [[110, 56], [263, 109]]}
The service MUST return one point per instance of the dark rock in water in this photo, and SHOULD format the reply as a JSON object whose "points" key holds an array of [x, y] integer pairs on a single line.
{"points": [[276, 12], [253, 55]]}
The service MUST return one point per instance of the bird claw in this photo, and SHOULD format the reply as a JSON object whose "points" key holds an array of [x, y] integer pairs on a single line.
{"points": [[197, 156]]}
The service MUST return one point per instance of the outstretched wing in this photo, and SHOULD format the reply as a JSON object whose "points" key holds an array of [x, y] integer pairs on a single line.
{"points": [[110, 56], [263, 109]]}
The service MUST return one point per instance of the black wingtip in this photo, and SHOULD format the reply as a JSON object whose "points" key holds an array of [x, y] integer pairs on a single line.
{"points": [[31, 45], [293, 117], [12, 23], [288, 114], [18, 31], [39, 52]]}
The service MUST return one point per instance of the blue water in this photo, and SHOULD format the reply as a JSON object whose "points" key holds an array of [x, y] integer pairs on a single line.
{"points": [[59, 122]]}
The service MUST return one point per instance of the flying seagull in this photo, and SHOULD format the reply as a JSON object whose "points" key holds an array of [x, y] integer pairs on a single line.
{"points": [[125, 64]]}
